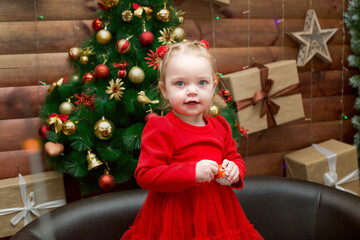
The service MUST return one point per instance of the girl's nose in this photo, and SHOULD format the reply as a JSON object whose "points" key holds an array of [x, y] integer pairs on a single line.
{"points": [[191, 90]]}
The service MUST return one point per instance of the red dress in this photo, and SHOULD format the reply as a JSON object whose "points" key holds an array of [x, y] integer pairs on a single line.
{"points": [[178, 208]]}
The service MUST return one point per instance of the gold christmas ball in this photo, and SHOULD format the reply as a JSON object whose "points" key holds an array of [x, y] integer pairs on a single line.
{"points": [[74, 52], [136, 75], [103, 129], [181, 19], [69, 127], [127, 16], [179, 34], [66, 108], [163, 15], [214, 110], [84, 59], [103, 36]]}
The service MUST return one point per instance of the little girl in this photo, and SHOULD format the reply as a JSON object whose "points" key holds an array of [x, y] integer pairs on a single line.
{"points": [[179, 159]]}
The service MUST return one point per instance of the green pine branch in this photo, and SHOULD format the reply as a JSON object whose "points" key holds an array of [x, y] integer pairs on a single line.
{"points": [[352, 21]]}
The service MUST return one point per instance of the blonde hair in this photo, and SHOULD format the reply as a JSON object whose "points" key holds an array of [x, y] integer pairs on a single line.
{"points": [[188, 47]]}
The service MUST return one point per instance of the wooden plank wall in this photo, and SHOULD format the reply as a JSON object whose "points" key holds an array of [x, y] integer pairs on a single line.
{"points": [[34, 48]]}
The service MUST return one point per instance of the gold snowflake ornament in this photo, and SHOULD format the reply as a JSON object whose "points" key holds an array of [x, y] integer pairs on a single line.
{"points": [[167, 37], [115, 89]]}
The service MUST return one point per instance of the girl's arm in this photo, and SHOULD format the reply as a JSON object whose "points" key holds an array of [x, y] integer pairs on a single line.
{"points": [[231, 154], [153, 172]]}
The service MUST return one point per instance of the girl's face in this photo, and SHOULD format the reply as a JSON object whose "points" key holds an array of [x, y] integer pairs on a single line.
{"points": [[189, 86]]}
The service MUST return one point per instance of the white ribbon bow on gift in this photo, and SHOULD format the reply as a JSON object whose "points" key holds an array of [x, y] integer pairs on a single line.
{"points": [[331, 177], [29, 205]]}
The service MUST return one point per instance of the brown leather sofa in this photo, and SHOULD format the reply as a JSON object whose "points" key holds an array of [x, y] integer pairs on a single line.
{"points": [[279, 208]]}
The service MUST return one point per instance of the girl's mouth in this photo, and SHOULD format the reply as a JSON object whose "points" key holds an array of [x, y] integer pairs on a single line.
{"points": [[191, 102]]}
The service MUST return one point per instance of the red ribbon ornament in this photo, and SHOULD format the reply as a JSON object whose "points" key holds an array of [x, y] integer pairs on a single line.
{"points": [[122, 64], [57, 120], [140, 9]]}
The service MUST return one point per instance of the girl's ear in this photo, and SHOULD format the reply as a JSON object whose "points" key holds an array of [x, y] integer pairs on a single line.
{"points": [[163, 89], [216, 81]]}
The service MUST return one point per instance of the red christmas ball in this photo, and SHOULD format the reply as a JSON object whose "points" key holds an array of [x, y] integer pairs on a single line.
{"points": [[106, 182], [103, 7], [226, 92], [123, 46], [102, 71], [42, 131], [150, 115], [146, 38], [228, 98], [97, 24], [88, 77], [121, 73]]}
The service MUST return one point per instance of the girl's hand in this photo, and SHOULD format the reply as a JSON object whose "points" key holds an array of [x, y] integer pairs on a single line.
{"points": [[232, 170], [206, 170]]}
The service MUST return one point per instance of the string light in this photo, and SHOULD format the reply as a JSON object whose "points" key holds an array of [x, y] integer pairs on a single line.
{"points": [[248, 48], [311, 91], [37, 55], [282, 57], [342, 71], [213, 33], [282, 28], [245, 67], [278, 21]]}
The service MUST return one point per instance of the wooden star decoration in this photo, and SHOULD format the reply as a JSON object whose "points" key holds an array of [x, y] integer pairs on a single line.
{"points": [[313, 40]]}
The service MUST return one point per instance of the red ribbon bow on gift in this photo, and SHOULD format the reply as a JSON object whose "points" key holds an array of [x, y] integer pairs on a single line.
{"points": [[268, 106]]}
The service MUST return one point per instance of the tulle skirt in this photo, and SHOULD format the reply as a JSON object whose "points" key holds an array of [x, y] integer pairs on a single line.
{"points": [[207, 212]]}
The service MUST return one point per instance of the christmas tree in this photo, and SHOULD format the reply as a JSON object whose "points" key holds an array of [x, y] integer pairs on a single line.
{"points": [[352, 21], [93, 120]]}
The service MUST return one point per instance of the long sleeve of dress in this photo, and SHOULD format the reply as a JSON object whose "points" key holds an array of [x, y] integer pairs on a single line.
{"points": [[154, 172], [231, 153]]}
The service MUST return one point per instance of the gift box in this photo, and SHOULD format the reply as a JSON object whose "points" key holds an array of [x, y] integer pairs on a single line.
{"points": [[266, 95], [22, 199], [332, 163]]}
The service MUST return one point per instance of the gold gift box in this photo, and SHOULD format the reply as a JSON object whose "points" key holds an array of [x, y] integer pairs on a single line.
{"points": [[311, 165], [47, 186], [245, 84]]}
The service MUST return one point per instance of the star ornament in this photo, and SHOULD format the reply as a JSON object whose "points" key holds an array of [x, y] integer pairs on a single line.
{"points": [[313, 40], [115, 90]]}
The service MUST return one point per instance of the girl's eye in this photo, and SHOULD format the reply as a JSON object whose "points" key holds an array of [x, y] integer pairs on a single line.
{"points": [[202, 83], [180, 84]]}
